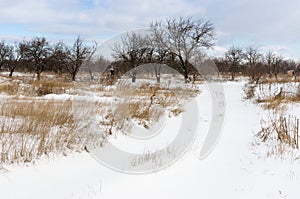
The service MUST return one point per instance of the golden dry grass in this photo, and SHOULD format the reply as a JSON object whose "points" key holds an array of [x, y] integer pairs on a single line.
{"points": [[138, 101], [33, 128], [32, 88]]}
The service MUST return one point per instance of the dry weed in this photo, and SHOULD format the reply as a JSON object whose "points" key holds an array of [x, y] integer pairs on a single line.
{"points": [[31, 129], [281, 132]]}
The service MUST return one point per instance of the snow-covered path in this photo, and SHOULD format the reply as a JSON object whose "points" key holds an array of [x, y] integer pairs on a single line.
{"points": [[232, 170]]}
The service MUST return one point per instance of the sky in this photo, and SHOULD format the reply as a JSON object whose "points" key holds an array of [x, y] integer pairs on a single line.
{"points": [[266, 25]]}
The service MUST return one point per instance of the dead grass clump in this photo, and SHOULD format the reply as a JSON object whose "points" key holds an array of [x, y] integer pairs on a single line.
{"points": [[176, 111], [284, 130], [51, 87], [271, 103], [249, 91], [155, 158], [10, 88]]}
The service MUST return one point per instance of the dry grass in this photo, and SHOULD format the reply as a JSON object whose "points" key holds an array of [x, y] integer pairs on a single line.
{"points": [[249, 91], [146, 103], [47, 87], [273, 95], [282, 78], [155, 159], [32, 88], [282, 132], [10, 88], [31, 129], [271, 103]]}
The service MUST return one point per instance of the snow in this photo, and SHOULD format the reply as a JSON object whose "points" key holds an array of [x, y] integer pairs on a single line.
{"points": [[231, 170], [57, 96]]}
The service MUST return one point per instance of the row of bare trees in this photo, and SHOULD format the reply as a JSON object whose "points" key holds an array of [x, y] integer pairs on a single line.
{"points": [[253, 63], [39, 55], [179, 43], [173, 42]]}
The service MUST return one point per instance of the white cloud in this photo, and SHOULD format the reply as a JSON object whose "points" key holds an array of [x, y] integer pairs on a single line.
{"points": [[111, 16], [247, 22]]}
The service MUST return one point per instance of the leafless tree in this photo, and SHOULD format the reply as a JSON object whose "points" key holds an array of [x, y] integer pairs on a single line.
{"points": [[270, 60], [77, 54], [131, 51], [15, 57], [273, 63], [37, 52], [88, 62], [183, 38], [58, 59], [276, 67], [254, 62], [234, 57], [4, 53]]}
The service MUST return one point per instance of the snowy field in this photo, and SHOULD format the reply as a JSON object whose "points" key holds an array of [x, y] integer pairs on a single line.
{"points": [[238, 167]]}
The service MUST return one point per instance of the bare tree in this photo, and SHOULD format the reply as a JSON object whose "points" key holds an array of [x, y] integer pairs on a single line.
{"points": [[234, 56], [183, 38], [273, 63], [88, 62], [131, 51], [58, 58], [276, 66], [254, 62], [15, 57], [270, 59], [37, 52], [77, 54], [4, 53]]}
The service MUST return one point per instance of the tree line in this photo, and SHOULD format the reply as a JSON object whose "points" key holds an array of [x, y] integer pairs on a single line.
{"points": [[182, 44], [179, 43], [38, 55], [251, 62]]}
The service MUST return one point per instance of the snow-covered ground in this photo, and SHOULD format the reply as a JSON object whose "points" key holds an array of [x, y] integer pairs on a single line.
{"points": [[232, 170]]}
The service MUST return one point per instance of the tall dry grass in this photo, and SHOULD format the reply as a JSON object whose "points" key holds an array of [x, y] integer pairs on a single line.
{"points": [[273, 95], [32, 88], [33, 128], [146, 103], [280, 133]]}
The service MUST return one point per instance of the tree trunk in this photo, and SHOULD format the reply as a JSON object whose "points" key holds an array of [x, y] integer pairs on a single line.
{"points": [[133, 78], [157, 73], [158, 79], [91, 73], [186, 78], [11, 72], [38, 75], [232, 76], [73, 77]]}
